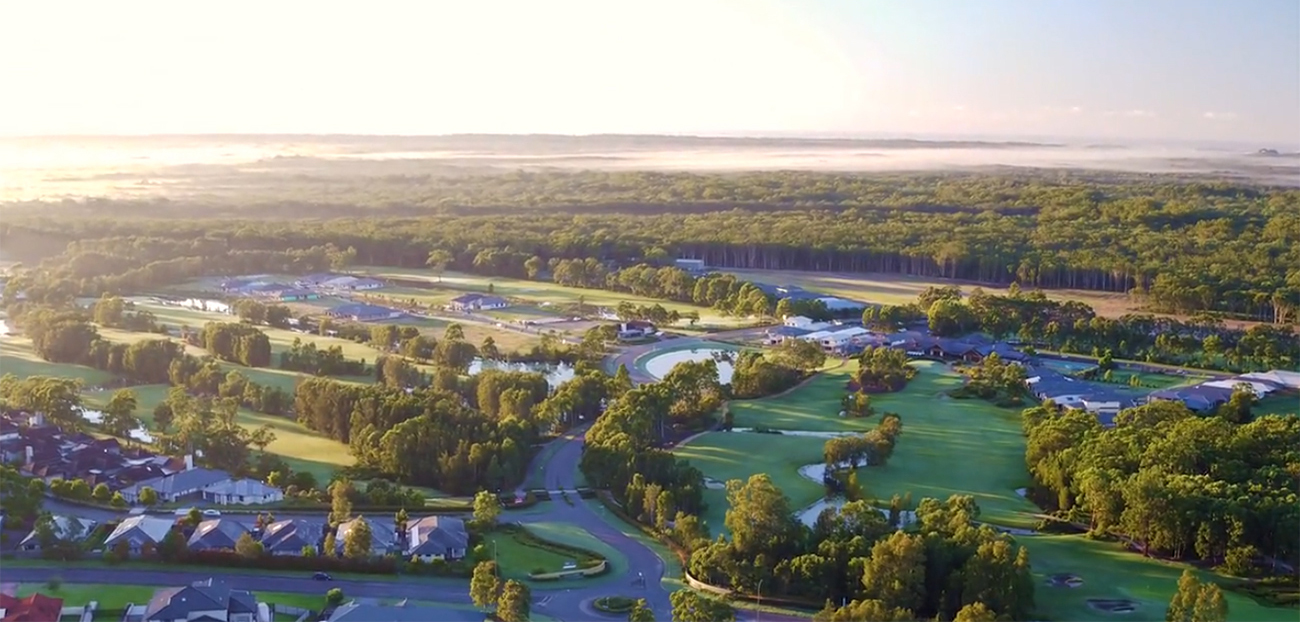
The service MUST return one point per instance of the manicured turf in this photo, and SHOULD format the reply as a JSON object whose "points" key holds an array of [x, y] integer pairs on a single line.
{"points": [[951, 446], [1110, 572], [301, 448], [1277, 405], [737, 455], [517, 560], [78, 594], [18, 358], [813, 407], [572, 535]]}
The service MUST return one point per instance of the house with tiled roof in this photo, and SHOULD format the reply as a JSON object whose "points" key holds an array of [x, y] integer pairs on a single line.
{"points": [[218, 534], [202, 601], [34, 608], [290, 536]]}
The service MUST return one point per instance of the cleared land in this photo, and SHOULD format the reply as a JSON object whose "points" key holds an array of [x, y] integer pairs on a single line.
{"points": [[1110, 572], [536, 292]]}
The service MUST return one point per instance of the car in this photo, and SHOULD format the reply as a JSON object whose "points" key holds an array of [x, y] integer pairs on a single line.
{"points": [[322, 576], [211, 512]]}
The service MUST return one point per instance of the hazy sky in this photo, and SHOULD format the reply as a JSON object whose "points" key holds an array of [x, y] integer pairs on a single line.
{"points": [[1191, 69]]}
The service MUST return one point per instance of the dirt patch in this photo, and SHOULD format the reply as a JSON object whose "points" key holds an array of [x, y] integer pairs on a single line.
{"points": [[1064, 580], [1113, 605]]}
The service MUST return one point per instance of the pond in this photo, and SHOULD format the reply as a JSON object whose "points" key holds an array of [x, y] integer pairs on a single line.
{"points": [[658, 365], [96, 417], [556, 374]]}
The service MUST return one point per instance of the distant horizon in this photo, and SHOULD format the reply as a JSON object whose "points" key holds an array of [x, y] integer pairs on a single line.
{"points": [[827, 136]]}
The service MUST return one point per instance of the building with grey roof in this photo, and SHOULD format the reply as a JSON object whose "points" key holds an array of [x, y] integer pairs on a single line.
{"points": [[401, 612], [202, 601], [437, 537], [177, 486], [218, 534]]}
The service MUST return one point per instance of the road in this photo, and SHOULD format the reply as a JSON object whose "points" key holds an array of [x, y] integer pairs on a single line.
{"points": [[568, 603]]}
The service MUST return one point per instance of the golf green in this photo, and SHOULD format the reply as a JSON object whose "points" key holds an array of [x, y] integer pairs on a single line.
{"points": [[813, 407]]}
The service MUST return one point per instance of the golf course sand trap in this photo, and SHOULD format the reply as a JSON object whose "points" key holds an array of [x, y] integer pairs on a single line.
{"points": [[1064, 580], [1113, 605], [713, 484]]}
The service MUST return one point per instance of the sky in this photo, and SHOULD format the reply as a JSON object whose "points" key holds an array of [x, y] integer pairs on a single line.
{"points": [[1193, 70]]}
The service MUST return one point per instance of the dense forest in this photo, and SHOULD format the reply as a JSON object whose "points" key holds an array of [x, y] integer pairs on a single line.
{"points": [[1182, 247]]}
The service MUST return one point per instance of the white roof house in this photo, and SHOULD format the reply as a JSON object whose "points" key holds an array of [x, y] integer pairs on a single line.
{"points": [[841, 337], [136, 531], [242, 491], [1260, 388], [818, 335], [1288, 379]]}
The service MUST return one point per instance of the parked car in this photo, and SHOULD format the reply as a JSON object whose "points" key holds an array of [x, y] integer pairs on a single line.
{"points": [[322, 576], [213, 513]]}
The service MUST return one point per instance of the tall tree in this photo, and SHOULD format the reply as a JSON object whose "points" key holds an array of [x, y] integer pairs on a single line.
{"points": [[487, 507], [641, 612], [119, 413], [484, 585], [359, 539], [341, 492], [515, 604]]}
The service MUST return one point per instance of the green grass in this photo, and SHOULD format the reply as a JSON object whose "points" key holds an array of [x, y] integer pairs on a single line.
{"points": [[725, 456], [951, 446], [78, 594], [306, 601], [517, 559], [572, 535], [301, 448], [813, 407], [1108, 571], [523, 291], [1277, 405], [18, 358]]}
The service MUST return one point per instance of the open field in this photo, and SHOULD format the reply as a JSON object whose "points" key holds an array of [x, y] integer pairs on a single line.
{"points": [[536, 292], [18, 358], [301, 448], [893, 289], [1277, 405], [1110, 572], [951, 446], [813, 407], [734, 455]]}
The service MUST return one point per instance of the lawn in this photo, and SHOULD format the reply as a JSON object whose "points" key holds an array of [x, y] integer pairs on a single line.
{"points": [[1108, 571], [572, 535], [301, 448], [813, 407], [18, 358], [725, 456], [951, 446], [1277, 405], [535, 291], [517, 560], [78, 594]]}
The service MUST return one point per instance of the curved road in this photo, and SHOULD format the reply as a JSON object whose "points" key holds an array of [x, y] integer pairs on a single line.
{"points": [[560, 469]]}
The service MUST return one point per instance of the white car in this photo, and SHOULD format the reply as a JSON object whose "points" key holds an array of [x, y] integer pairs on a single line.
{"points": [[211, 512]]}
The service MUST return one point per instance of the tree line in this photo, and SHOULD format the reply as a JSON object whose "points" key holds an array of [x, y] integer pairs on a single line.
{"points": [[1217, 489], [1074, 327], [1050, 232], [855, 556]]}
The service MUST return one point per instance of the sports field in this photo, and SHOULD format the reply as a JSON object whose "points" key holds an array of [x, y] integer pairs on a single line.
{"points": [[1110, 572]]}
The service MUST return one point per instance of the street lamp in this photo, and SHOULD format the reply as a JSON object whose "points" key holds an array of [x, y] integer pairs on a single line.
{"points": [[758, 615]]}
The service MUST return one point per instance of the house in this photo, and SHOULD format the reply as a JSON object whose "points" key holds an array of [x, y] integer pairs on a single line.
{"points": [[1199, 398], [8, 430], [777, 334], [793, 292], [351, 283], [1004, 352], [65, 528], [401, 612], [383, 538], [242, 492], [291, 536], [359, 312], [315, 280], [1285, 379], [177, 486], [139, 531], [635, 329], [218, 534], [473, 302], [1261, 388], [805, 323], [34, 608], [203, 601], [437, 537], [690, 265], [844, 337]]}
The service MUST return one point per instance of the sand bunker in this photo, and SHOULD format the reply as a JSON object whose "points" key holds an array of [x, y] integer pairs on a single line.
{"points": [[1113, 605], [1064, 580]]}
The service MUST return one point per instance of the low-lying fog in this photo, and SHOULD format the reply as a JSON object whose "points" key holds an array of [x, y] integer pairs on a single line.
{"points": [[49, 167]]}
